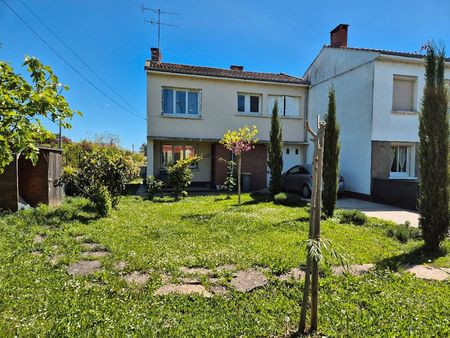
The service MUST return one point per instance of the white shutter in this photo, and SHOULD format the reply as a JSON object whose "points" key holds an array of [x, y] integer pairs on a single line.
{"points": [[270, 103], [292, 106], [403, 95]]}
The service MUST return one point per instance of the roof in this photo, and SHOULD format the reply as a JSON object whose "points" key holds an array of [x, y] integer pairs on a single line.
{"points": [[386, 52], [223, 73]]}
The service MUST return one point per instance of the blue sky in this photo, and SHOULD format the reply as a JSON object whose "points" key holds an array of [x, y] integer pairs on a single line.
{"points": [[271, 36]]}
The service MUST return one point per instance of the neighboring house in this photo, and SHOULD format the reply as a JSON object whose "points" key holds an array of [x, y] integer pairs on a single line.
{"points": [[189, 109], [378, 97]]}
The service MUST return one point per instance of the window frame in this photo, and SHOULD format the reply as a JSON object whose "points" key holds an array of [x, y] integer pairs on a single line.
{"points": [[164, 165], [414, 80], [186, 91], [410, 162], [247, 103]]}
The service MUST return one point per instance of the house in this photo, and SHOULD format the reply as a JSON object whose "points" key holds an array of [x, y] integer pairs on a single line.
{"points": [[378, 97], [189, 108]]}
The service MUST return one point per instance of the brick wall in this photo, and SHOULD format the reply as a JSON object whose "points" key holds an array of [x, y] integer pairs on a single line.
{"points": [[9, 192]]}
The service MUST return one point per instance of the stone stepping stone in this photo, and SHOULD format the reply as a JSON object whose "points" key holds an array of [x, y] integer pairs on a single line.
{"points": [[354, 270], [84, 268], [195, 271], [184, 289], [93, 247], [295, 273], [120, 265], [55, 259], [96, 254], [38, 239], [137, 278], [36, 253], [247, 280], [218, 290], [428, 272]]}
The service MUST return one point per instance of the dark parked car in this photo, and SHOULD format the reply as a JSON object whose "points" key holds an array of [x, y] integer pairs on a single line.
{"points": [[298, 179]]}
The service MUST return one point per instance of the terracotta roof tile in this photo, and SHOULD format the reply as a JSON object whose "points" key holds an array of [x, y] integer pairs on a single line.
{"points": [[225, 73]]}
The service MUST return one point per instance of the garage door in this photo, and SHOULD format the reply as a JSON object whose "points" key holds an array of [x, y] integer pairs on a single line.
{"points": [[292, 155]]}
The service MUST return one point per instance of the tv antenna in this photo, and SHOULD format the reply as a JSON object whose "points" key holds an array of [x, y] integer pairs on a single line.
{"points": [[158, 22]]}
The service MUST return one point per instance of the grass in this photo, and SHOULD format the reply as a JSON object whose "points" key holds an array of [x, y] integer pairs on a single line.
{"points": [[37, 298]]}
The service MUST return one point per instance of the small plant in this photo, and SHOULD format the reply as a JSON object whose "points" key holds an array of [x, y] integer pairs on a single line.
{"points": [[154, 186], [404, 232], [355, 217], [288, 199], [180, 176], [230, 181], [99, 195]]}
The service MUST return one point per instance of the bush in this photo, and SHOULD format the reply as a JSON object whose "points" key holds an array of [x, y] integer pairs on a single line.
{"points": [[180, 176], [102, 200], [355, 217], [404, 232], [288, 199], [154, 186]]}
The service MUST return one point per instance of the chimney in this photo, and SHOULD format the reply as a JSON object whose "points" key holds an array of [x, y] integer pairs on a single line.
{"points": [[156, 54], [338, 36], [234, 67]]}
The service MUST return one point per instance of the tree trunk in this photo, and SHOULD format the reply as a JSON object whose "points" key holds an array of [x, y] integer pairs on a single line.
{"points": [[239, 180]]}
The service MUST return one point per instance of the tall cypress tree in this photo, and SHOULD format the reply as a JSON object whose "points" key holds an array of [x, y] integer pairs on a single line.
{"points": [[330, 157], [275, 152], [433, 152]]}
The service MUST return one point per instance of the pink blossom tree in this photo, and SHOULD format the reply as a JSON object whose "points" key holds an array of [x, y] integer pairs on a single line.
{"points": [[239, 142]]}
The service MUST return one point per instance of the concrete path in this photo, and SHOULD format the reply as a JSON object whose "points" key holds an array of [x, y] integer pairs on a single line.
{"points": [[382, 211]]}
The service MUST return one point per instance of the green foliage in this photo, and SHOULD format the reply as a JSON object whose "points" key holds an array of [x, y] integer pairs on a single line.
{"points": [[288, 199], [275, 162], [24, 106], [99, 195], [180, 176], [330, 157], [433, 151], [355, 217], [39, 299], [154, 186], [230, 181], [99, 167], [404, 232]]}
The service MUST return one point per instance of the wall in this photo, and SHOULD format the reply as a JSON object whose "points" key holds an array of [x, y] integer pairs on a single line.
{"points": [[218, 108], [354, 86], [33, 180], [389, 126], [9, 187]]}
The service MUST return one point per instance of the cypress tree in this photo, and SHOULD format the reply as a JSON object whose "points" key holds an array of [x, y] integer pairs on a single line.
{"points": [[433, 152], [330, 157], [275, 152]]}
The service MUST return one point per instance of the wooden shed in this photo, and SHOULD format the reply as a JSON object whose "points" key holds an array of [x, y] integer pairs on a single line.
{"points": [[23, 182]]}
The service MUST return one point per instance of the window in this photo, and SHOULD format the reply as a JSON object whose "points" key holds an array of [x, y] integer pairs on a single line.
{"points": [[296, 151], [172, 153], [287, 105], [404, 93], [402, 161], [287, 151], [180, 101], [249, 103]]}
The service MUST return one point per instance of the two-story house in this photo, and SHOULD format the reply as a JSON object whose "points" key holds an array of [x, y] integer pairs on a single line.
{"points": [[189, 108], [378, 97]]}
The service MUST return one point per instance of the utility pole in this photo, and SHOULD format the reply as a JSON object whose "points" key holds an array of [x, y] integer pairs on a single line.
{"points": [[159, 12]]}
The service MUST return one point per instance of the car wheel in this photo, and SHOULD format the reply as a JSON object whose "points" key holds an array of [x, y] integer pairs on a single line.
{"points": [[306, 192]]}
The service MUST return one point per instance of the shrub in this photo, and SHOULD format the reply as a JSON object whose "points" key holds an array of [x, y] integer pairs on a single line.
{"points": [[404, 232], [355, 217], [180, 176], [288, 199], [102, 200], [154, 186]]}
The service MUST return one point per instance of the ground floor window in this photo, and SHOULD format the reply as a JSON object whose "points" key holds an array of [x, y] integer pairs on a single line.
{"points": [[402, 161], [171, 153]]}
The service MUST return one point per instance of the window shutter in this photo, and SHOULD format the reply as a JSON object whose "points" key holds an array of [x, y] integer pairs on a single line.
{"points": [[292, 106], [403, 95]]}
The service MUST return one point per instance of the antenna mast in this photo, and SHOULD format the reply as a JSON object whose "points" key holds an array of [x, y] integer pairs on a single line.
{"points": [[159, 12]]}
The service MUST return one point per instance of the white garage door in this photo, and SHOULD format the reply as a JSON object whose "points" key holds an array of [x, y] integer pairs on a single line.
{"points": [[293, 154]]}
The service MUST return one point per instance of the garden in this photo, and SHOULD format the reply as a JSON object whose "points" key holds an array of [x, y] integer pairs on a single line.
{"points": [[147, 249]]}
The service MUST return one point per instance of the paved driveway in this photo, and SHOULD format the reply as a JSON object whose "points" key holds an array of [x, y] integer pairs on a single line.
{"points": [[382, 211]]}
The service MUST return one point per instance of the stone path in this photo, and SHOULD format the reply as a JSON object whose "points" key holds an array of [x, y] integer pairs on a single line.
{"points": [[185, 289], [428, 272], [83, 268], [137, 278], [247, 280]]}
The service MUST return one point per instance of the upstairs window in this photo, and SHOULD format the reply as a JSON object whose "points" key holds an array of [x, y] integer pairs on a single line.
{"points": [[180, 101], [287, 105], [404, 93], [249, 103]]}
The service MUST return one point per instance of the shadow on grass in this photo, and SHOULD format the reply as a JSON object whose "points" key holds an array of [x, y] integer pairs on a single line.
{"points": [[258, 197], [416, 256]]}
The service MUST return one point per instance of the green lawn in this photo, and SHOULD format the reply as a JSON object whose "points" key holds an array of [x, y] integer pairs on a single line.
{"points": [[38, 298]]}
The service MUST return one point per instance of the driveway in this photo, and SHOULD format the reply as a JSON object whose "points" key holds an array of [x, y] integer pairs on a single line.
{"points": [[382, 211]]}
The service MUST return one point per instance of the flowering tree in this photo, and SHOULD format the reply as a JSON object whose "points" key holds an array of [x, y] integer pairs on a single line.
{"points": [[238, 142]]}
